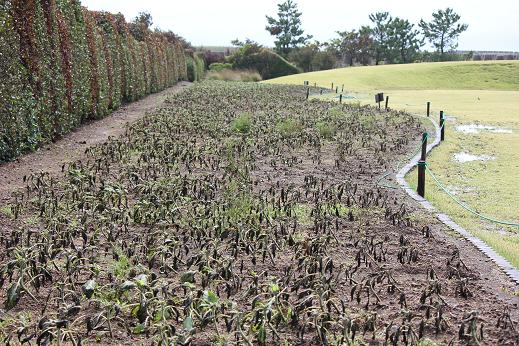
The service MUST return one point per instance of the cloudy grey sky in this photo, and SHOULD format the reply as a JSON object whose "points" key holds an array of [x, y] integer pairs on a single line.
{"points": [[493, 25]]}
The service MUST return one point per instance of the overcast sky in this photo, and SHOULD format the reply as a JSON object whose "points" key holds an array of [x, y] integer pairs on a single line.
{"points": [[493, 25]]}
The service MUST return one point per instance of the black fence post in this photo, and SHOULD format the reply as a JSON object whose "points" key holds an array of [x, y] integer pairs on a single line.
{"points": [[442, 126], [332, 86], [307, 93], [321, 91], [342, 89], [421, 178], [424, 146], [387, 101], [340, 98], [428, 108]]}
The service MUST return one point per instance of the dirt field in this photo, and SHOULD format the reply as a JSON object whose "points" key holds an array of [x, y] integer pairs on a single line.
{"points": [[238, 214]]}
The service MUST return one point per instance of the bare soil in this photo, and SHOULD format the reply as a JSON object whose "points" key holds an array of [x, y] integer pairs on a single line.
{"points": [[375, 237]]}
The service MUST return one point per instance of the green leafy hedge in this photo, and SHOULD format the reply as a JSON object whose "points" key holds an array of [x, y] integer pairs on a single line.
{"points": [[195, 67], [62, 65]]}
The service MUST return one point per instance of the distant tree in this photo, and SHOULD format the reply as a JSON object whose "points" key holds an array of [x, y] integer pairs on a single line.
{"points": [[353, 46], [312, 57], [346, 46], [247, 42], [404, 41], [324, 60], [304, 56], [365, 45], [443, 31], [287, 28], [381, 21]]}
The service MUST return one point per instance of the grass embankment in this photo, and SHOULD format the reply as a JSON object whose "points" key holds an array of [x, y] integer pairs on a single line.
{"points": [[484, 93]]}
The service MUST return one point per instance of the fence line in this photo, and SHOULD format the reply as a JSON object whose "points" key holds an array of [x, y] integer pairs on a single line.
{"points": [[505, 265]]}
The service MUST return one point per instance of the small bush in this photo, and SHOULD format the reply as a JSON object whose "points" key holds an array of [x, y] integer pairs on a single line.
{"points": [[289, 127], [326, 130], [235, 75], [219, 66], [242, 123], [195, 68]]}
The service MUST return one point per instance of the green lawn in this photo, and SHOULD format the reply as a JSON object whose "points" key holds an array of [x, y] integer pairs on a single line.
{"points": [[485, 93], [447, 76]]}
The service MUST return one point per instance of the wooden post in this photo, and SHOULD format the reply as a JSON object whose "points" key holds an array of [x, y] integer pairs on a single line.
{"points": [[315, 84], [342, 89], [424, 146], [307, 93], [340, 98], [442, 126], [428, 108], [332, 86], [321, 91], [421, 178], [387, 101]]}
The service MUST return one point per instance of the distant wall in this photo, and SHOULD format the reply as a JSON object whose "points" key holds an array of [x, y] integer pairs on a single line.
{"points": [[62, 65]]}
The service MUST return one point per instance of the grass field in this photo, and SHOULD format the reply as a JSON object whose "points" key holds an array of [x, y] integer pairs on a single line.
{"points": [[483, 93]]}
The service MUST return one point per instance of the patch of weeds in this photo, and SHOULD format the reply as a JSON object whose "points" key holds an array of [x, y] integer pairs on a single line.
{"points": [[326, 130], [242, 123], [240, 202], [32, 220], [122, 266], [368, 122], [7, 211], [426, 342], [336, 113], [302, 213], [289, 127]]}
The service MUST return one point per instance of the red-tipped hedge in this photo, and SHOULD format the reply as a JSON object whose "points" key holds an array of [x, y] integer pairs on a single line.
{"points": [[61, 65]]}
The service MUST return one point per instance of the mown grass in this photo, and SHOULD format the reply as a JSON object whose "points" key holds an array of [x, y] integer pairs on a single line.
{"points": [[469, 93], [471, 75]]}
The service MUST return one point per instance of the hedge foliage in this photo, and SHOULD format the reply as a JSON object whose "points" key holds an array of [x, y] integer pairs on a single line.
{"points": [[195, 67], [62, 65]]}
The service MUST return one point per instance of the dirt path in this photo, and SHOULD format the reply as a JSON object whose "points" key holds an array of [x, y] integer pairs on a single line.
{"points": [[51, 157]]}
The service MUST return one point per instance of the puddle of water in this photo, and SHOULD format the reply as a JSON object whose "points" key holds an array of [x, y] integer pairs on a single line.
{"points": [[466, 157], [477, 128], [450, 118]]}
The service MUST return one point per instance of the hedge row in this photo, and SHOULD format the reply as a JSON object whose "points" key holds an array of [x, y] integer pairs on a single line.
{"points": [[62, 65]]}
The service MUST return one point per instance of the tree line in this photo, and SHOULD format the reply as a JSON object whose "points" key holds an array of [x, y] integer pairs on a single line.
{"points": [[388, 39]]}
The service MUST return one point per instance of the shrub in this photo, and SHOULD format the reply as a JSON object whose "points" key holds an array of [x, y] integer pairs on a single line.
{"points": [[289, 127], [218, 66], [211, 57], [235, 75], [326, 130], [195, 68], [242, 123], [62, 65]]}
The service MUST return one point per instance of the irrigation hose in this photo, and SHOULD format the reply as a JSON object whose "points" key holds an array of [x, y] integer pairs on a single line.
{"points": [[441, 186], [466, 207]]}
